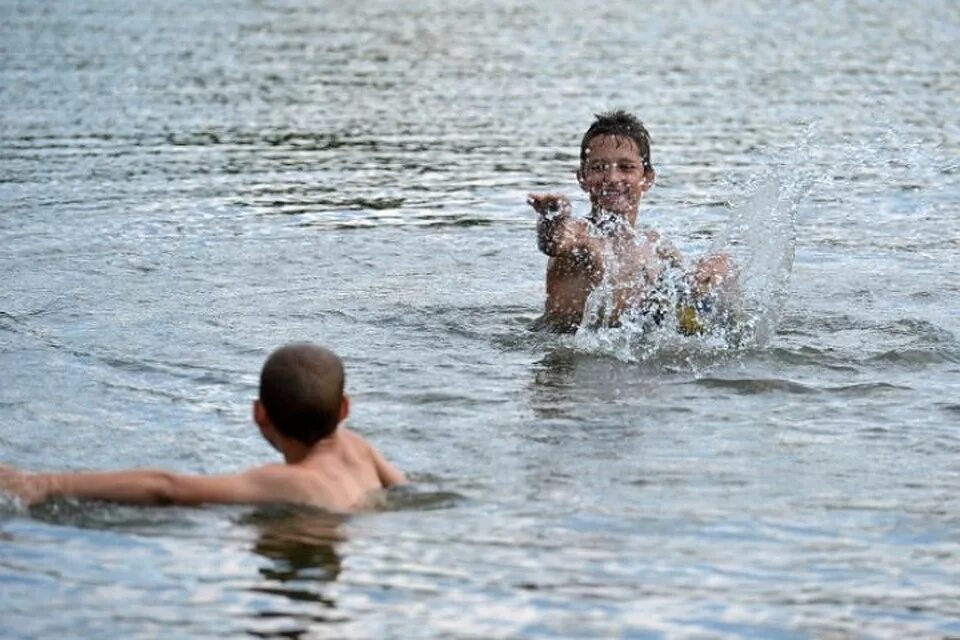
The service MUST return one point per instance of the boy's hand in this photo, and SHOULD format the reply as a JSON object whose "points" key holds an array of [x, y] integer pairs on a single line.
{"points": [[712, 272], [26, 487], [557, 231], [549, 203]]}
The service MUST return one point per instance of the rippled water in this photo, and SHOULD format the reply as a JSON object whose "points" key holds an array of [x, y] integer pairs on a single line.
{"points": [[185, 186]]}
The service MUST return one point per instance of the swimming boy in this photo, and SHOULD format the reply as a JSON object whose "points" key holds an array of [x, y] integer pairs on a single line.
{"points": [[300, 411], [606, 248]]}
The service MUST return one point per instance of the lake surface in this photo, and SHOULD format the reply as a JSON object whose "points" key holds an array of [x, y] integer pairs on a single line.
{"points": [[185, 186]]}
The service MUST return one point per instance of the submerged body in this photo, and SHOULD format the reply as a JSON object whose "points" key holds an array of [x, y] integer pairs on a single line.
{"points": [[342, 473]]}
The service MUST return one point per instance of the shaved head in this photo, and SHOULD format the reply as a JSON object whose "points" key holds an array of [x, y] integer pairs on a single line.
{"points": [[301, 389]]}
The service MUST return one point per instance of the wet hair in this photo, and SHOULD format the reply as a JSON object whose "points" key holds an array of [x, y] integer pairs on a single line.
{"points": [[622, 125], [301, 389]]}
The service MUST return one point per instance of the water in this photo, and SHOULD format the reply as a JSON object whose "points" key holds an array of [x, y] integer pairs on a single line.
{"points": [[185, 187]]}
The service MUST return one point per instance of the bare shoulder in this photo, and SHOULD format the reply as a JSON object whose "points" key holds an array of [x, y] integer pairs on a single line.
{"points": [[274, 479], [387, 474], [282, 479], [270, 471], [354, 440], [296, 484]]}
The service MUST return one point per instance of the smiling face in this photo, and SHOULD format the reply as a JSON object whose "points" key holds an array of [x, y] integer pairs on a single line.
{"points": [[615, 176]]}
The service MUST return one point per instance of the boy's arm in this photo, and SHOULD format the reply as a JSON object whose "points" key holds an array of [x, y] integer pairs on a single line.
{"points": [[558, 233], [144, 486], [563, 236], [389, 475]]}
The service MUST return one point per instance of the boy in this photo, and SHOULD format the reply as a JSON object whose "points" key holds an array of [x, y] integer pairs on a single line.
{"points": [[606, 248], [300, 412]]}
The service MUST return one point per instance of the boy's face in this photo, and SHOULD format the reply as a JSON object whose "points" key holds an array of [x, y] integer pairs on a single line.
{"points": [[613, 174]]}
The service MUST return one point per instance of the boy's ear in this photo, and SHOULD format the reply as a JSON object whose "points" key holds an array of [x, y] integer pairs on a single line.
{"points": [[649, 176], [344, 408], [267, 430], [260, 414], [580, 180]]}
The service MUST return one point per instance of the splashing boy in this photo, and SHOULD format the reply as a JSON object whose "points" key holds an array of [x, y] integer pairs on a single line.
{"points": [[606, 251]]}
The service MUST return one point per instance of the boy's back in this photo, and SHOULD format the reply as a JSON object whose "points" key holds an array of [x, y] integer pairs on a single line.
{"points": [[341, 473]]}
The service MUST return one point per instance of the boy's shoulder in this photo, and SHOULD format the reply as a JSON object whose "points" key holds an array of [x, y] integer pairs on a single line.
{"points": [[275, 479], [298, 484]]}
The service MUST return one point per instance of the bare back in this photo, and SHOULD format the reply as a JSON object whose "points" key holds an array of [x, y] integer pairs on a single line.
{"points": [[342, 473]]}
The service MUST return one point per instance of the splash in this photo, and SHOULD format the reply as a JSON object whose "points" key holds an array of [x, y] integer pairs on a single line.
{"points": [[762, 238]]}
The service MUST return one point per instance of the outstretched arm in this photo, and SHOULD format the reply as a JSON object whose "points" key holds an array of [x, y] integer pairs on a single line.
{"points": [[558, 232], [141, 486]]}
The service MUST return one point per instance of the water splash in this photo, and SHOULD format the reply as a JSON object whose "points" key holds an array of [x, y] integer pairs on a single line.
{"points": [[762, 238]]}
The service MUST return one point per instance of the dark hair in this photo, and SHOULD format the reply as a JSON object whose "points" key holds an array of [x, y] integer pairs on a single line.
{"points": [[620, 124], [301, 389]]}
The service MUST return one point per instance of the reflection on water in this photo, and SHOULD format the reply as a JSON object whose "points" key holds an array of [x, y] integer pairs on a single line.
{"points": [[553, 379], [301, 545], [300, 542]]}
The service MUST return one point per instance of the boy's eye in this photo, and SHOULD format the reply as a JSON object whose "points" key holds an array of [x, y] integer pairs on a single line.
{"points": [[603, 167], [598, 167]]}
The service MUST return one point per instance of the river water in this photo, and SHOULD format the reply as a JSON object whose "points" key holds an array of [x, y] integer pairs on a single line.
{"points": [[186, 186]]}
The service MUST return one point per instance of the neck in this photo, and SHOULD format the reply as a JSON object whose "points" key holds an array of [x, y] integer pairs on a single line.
{"points": [[296, 452]]}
